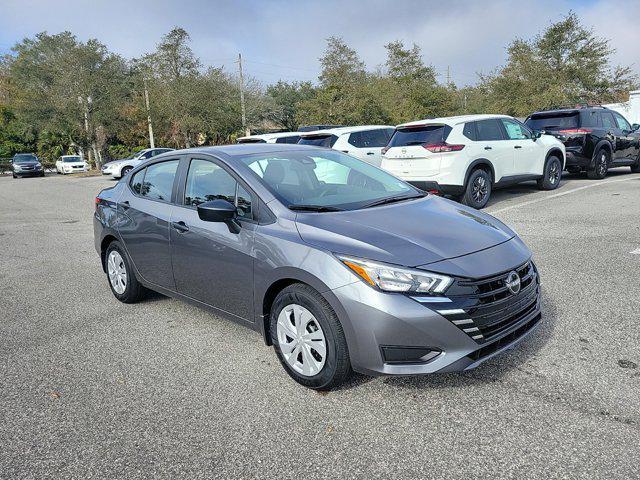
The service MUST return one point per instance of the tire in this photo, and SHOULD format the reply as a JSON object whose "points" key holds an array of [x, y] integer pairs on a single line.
{"points": [[42, 174], [636, 168], [133, 291], [306, 365], [124, 171], [552, 174], [15, 176], [601, 166], [477, 190]]}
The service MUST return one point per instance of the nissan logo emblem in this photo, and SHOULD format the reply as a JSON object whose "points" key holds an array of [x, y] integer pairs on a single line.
{"points": [[513, 283]]}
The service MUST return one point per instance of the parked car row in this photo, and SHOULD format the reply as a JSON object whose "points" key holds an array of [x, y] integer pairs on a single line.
{"points": [[468, 156]]}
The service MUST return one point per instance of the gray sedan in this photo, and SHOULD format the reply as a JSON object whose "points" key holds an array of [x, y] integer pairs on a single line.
{"points": [[339, 265]]}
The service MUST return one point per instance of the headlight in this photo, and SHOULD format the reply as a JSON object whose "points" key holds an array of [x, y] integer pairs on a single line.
{"points": [[391, 278], [38, 165], [16, 167]]}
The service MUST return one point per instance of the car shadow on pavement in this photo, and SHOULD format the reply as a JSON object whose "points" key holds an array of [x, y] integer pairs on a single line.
{"points": [[488, 372]]}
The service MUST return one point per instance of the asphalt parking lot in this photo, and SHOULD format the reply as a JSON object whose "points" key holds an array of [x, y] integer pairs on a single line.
{"points": [[92, 388]]}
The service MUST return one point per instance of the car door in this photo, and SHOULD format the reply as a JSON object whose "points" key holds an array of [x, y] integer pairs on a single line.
{"points": [[211, 263], [496, 148], [529, 156], [144, 213], [367, 145], [615, 135], [628, 142]]}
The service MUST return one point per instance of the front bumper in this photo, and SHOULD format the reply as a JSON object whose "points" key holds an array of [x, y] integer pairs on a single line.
{"points": [[29, 173], [434, 334]]}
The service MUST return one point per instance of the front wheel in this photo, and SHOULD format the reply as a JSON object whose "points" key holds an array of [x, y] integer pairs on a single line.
{"points": [[599, 170], [308, 338], [125, 171], [636, 168], [122, 279], [551, 175], [478, 189]]}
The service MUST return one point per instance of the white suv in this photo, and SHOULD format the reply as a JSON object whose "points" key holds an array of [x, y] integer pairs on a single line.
{"points": [[364, 142], [467, 156], [280, 137]]}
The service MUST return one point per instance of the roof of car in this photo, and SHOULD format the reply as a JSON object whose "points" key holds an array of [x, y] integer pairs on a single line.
{"points": [[266, 136], [242, 149], [451, 120], [343, 130]]}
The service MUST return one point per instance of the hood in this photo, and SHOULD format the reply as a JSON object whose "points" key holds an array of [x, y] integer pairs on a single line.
{"points": [[413, 233]]}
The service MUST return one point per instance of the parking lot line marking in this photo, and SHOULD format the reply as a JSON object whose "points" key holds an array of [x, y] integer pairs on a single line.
{"points": [[560, 194]]}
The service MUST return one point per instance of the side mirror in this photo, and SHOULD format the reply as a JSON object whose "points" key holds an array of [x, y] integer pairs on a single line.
{"points": [[537, 134], [219, 211], [635, 127]]}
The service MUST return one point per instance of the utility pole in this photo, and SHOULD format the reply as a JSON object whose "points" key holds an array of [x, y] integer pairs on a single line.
{"points": [[85, 108], [146, 102], [242, 106], [448, 75]]}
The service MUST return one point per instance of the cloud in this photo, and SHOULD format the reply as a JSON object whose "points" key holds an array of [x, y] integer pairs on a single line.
{"points": [[284, 39]]}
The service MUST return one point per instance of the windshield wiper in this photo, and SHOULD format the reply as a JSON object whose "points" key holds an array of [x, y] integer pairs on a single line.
{"points": [[398, 198], [315, 208]]}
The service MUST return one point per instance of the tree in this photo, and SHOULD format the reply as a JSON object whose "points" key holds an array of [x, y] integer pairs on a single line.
{"points": [[286, 98], [564, 65]]}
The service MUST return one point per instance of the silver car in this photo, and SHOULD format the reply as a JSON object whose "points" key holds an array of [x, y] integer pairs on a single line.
{"points": [[339, 265], [120, 168]]}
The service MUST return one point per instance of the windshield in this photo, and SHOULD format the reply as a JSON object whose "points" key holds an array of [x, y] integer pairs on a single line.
{"points": [[326, 179], [25, 157], [555, 121], [71, 159], [420, 135]]}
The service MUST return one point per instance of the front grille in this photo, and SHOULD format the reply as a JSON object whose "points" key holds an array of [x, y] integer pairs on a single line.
{"points": [[487, 308]]}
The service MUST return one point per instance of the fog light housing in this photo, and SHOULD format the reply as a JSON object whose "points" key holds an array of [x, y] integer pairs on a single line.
{"points": [[408, 355]]}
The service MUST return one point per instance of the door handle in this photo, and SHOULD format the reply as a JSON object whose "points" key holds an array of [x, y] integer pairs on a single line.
{"points": [[344, 151], [125, 205], [370, 153], [488, 148], [180, 226], [518, 146]]}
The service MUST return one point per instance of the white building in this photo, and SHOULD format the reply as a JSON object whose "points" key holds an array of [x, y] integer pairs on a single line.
{"points": [[629, 110]]}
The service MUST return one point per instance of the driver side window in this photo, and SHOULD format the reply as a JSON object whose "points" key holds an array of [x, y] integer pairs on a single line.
{"points": [[208, 181], [515, 130]]}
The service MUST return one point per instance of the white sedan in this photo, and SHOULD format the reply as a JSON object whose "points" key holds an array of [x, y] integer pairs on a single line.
{"points": [[119, 168], [71, 164]]}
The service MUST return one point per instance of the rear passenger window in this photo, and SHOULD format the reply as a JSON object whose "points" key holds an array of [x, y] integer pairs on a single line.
{"points": [[158, 181], [488, 130], [607, 120], [136, 181], [469, 130], [370, 138]]}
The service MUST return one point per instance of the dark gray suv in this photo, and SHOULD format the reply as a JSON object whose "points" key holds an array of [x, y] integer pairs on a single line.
{"points": [[339, 265]]}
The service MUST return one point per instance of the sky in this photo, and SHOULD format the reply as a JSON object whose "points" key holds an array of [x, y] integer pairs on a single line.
{"points": [[283, 39]]}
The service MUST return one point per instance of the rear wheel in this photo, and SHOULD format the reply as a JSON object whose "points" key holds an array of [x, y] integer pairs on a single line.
{"points": [[308, 338], [478, 189], [122, 279], [599, 170], [551, 175]]}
